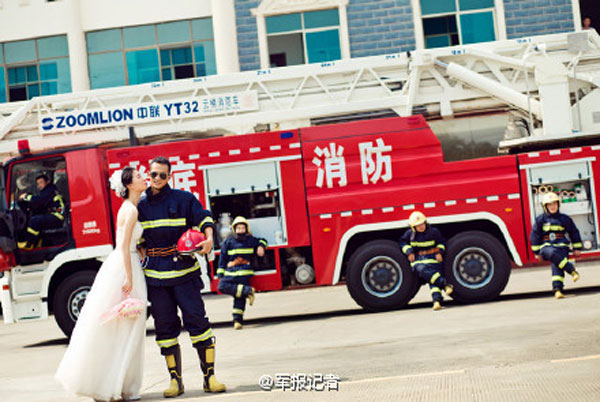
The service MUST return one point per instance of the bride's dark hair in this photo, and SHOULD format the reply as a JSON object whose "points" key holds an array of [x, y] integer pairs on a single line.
{"points": [[126, 179]]}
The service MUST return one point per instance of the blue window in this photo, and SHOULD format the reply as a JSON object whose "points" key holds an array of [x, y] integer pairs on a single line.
{"points": [[34, 67], [106, 70], [455, 22], [149, 53], [298, 38]]}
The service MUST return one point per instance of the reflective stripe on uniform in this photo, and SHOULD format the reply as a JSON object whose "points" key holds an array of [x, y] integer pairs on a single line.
{"points": [[28, 197], [241, 272], [33, 231], [264, 243], [59, 198], [441, 246], [548, 228], [426, 261], [58, 215], [422, 243], [435, 290], [220, 271], [434, 277], [558, 278], [577, 245], [240, 289], [406, 248], [238, 311], [564, 262], [235, 251], [167, 343], [162, 223], [171, 274], [206, 220], [203, 336]]}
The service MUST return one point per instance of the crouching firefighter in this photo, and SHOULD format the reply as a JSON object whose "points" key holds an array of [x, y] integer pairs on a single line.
{"points": [[174, 280], [235, 269], [549, 241], [424, 247]]}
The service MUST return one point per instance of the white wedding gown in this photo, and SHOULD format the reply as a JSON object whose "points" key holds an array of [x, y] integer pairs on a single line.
{"points": [[105, 361]]}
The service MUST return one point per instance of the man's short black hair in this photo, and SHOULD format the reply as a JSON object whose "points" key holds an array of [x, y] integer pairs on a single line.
{"points": [[161, 160], [43, 176]]}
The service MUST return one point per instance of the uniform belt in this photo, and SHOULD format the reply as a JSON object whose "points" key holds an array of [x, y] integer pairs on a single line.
{"points": [[434, 250], [161, 251], [556, 236]]}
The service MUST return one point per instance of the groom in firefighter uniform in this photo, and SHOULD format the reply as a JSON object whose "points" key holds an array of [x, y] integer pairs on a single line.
{"points": [[174, 280]]}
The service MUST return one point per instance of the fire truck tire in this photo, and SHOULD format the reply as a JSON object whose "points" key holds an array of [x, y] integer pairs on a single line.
{"points": [[69, 298], [478, 266], [379, 278]]}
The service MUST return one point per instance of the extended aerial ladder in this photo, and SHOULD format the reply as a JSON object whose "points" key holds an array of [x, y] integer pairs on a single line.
{"points": [[550, 84]]}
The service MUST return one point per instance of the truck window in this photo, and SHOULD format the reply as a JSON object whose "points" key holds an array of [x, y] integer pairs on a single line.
{"points": [[470, 137]]}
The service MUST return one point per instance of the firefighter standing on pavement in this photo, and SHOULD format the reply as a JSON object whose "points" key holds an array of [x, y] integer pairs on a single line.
{"points": [[424, 247], [549, 241], [235, 269], [173, 280], [47, 211]]}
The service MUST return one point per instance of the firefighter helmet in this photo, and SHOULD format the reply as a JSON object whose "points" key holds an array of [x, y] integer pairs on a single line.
{"points": [[549, 198], [189, 242], [240, 220], [416, 218]]}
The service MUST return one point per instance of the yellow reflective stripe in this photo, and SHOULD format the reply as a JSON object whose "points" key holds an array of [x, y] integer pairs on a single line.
{"points": [[406, 248], [564, 262], [203, 336], [206, 220], [167, 343], [58, 215], [238, 311], [241, 272], [240, 289], [141, 240], [163, 222], [435, 290], [558, 278], [171, 274], [58, 198], [427, 261], [28, 197], [33, 232], [263, 242], [536, 248], [434, 277], [547, 228], [560, 245], [441, 246], [235, 251], [220, 271], [577, 245], [422, 243]]}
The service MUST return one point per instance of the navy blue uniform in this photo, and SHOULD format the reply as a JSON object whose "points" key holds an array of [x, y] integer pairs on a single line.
{"points": [[235, 280], [47, 212], [425, 245], [549, 239], [174, 281]]}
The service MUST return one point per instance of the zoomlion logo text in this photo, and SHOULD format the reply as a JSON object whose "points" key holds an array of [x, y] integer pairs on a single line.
{"points": [[88, 119]]}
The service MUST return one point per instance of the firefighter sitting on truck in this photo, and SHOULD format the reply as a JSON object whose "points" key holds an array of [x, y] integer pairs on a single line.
{"points": [[46, 209], [549, 241], [424, 246], [235, 269]]}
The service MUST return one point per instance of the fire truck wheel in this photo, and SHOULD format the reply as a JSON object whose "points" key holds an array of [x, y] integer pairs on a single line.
{"points": [[379, 278], [478, 266], [69, 298]]}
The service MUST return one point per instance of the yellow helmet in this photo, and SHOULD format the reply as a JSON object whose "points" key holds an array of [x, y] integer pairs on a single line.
{"points": [[238, 220], [549, 198], [416, 218]]}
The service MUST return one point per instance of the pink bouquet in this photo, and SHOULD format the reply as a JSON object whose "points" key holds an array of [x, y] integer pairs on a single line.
{"points": [[128, 308]]}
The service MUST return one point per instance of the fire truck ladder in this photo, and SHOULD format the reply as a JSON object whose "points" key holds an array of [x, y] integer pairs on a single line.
{"points": [[551, 83]]}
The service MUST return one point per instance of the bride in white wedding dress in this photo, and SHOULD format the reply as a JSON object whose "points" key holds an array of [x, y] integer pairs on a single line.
{"points": [[104, 361]]}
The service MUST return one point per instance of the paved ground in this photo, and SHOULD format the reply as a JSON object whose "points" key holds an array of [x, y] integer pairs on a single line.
{"points": [[525, 347]]}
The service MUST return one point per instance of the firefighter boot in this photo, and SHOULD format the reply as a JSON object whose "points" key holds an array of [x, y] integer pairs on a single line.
{"points": [[251, 296], [207, 362], [437, 305], [237, 325], [558, 294], [575, 275], [449, 289], [174, 367]]}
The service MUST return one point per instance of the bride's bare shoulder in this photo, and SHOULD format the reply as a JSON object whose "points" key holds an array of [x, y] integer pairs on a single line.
{"points": [[127, 211]]}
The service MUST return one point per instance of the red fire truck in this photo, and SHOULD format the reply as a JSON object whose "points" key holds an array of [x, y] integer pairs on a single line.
{"points": [[331, 199]]}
